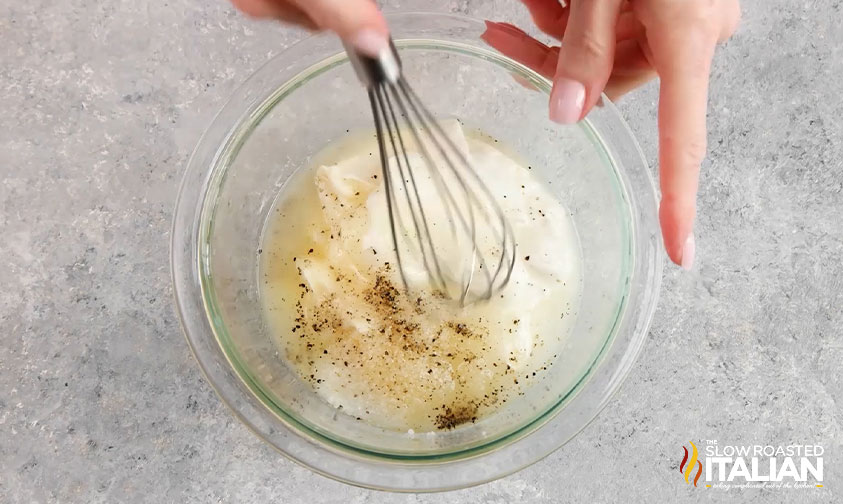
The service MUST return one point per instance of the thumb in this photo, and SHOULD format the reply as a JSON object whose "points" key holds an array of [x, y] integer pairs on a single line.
{"points": [[585, 59], [358, 22]]}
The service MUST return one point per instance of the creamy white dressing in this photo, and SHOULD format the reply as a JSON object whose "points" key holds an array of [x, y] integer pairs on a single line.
{"points": [[333, 294]]}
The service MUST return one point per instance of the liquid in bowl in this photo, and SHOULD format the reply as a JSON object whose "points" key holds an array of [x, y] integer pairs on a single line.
{"points": [[412, 360]]}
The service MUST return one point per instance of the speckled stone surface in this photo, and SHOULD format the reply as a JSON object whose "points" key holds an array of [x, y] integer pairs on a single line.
{"points": [[101, 401]]}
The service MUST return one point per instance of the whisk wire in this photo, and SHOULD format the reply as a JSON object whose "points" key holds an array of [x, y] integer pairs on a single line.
{"points": [[427, 247], [464, 200], [386, 180], [435, 175], [505, 233], [468, 223]]}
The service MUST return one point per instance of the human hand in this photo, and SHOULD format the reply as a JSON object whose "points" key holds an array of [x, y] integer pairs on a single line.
{"points": [[613, 46], [357, 22]]}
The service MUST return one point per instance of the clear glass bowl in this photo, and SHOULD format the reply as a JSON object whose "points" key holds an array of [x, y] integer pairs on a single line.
{"points": [[307, 97]]}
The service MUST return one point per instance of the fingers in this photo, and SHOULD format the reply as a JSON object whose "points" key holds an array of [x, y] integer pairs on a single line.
{"points": [[632, 69], [682, 57], [257, 8], [628, 27], [585, 59], [516, 44], [358, 22], [549, 16], [606, 48], [275, 9], [631, 66]]}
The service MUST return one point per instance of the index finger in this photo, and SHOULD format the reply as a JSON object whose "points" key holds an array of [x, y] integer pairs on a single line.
{"points": [[682, 57]]}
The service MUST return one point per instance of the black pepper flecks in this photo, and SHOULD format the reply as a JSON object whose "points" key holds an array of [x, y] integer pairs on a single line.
{"points": [[388, 340]]}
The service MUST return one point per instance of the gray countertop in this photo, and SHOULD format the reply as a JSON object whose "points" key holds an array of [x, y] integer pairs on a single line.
{"points": [[101, 400]]}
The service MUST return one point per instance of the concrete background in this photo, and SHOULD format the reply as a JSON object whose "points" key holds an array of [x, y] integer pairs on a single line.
{"points": [[101, 102]]}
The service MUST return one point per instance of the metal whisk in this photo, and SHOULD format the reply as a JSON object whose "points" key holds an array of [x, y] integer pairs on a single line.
{"points": [[447, 228]]}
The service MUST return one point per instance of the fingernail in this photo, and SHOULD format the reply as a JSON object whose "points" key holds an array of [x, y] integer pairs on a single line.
{"points": [[370, 42], [566, 101], [688, 252]]}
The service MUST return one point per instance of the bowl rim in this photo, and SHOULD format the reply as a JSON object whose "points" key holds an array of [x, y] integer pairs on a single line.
{"points": [[302, 446]]}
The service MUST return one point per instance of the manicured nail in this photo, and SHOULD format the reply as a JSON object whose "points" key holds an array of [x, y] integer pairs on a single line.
{"points": [[566, 101], [688, 252], [370, 42]]}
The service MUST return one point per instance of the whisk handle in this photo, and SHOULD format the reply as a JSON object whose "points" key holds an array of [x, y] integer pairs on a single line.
{"points": [[372, 71]]}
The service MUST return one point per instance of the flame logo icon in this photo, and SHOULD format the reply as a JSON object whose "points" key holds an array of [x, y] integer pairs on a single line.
{"points": [[687, 466]]}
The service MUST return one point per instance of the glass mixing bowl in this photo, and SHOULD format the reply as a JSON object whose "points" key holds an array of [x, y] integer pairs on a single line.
{"points": [[308, 97]]}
